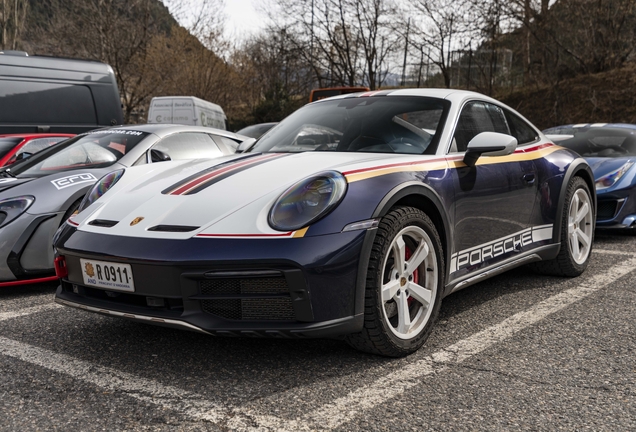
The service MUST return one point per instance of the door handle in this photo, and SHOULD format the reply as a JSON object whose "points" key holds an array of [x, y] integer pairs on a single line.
{"points": [[528, 178]]}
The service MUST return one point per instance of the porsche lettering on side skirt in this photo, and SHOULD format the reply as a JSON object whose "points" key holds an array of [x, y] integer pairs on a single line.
{"points": [[485, 252]]}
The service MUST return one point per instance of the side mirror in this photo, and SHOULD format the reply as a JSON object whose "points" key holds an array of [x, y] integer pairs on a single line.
{"points": [[158, 156], [489, 144], [23, 155], [245, 145]]}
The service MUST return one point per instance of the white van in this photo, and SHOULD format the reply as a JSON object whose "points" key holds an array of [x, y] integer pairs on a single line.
{"points": [[186, 110]]}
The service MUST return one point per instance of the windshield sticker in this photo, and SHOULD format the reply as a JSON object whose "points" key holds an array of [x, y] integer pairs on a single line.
{"points": [[73, 180], [115, 131]]}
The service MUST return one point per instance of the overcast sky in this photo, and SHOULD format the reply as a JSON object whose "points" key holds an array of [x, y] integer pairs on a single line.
{"points": [[243, 17]]}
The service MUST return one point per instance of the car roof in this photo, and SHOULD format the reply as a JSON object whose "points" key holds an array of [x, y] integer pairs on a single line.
{"points": [[595, 125], [36, 135], [163, 130], [452, 95]]}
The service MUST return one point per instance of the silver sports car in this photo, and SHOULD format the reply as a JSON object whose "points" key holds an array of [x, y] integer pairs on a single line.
{"points": [[38, 194]]}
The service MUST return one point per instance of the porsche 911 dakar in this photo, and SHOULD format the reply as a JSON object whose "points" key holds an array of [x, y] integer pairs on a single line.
{"points": [[353, 217]]}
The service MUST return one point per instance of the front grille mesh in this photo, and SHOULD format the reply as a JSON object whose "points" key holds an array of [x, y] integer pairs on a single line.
{"points": [[248, 308], [606, 209]]}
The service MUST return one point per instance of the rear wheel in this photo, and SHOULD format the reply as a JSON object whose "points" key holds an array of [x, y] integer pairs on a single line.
{"points": [[404, 285], [577, 233]]}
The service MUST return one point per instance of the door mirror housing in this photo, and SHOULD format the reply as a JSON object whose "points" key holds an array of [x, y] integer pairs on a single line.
{"points": [[489, 144], [23, 155], [245, 145], [158, 156]]}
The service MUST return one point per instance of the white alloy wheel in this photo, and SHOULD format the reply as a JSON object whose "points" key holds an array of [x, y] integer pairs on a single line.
{"points": [[409, 284], [580, 226]]}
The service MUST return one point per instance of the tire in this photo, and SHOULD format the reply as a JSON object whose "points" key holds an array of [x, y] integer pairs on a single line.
{"points": [[568, 263], [386, 330]]}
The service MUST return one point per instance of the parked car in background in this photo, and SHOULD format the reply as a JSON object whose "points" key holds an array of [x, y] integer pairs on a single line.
{"points": [[39, 193], [186, 110], [353, 217], [16, 147], [610, 149], [56, 95], [256, 130]]}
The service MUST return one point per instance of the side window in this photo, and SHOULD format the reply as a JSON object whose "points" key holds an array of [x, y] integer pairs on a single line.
{"points": [[229, 143], [521, 130], [475, 118], [189, 145]]}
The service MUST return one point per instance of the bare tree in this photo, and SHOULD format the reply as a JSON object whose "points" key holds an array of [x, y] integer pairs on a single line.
{"points": [[13, 15]]}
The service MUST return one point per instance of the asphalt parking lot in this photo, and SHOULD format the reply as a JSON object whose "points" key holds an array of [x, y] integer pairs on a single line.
{"points": [[519, 351]]}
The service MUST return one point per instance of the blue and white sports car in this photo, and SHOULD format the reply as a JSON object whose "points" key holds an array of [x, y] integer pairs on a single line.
{"points": [[610, 149], [354, 216]]}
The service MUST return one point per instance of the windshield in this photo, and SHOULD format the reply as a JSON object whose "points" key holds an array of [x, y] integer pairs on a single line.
{"points": [[390, 124], [96, 149], [602, 142]]}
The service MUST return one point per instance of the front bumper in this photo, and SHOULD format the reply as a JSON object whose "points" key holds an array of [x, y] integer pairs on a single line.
{"points": [[617, 209], [302, 287], [26, 251]]}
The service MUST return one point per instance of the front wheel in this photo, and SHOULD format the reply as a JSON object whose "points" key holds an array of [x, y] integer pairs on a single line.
{"points": [[404, 285], [577, 233]]}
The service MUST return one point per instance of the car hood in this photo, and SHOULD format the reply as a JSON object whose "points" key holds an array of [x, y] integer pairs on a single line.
{"points": [[225, 197], [603, 166]]}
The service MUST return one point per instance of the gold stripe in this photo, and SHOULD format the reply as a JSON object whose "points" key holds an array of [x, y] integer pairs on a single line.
{"points": [[431, 166], [300, 232]]}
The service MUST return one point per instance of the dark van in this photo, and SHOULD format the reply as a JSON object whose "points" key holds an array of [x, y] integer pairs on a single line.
{"points": [[48, 94]]}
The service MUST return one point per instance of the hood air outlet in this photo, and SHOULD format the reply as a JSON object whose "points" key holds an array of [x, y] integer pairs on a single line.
{"points": [[173, 228], [104, 223]]}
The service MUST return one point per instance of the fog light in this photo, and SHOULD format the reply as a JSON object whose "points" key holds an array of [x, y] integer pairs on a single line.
{"points": [[155, 301]]}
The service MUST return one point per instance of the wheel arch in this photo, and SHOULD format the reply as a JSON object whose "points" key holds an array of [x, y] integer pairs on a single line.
{"points": [[422, 197], [578, 168]]}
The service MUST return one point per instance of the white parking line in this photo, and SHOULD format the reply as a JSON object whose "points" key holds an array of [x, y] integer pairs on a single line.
{"points": [[28, 311], [613, 252], [328, 416], [24, 301], [391, 385], [146, 390]]}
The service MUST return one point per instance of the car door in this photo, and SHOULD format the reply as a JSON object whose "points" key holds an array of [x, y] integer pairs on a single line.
{"points": [[493, 199]]}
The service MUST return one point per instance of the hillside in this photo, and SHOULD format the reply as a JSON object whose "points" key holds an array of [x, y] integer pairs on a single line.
{"points": [[602, 97]]}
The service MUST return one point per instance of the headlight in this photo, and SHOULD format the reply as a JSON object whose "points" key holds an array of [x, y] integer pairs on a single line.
{"points": [[307, 201], [100, 188], [11, 208], [610, 179]]}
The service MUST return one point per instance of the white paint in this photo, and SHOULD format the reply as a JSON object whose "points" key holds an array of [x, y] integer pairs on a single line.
{"points": [[145, 390], [27, 311]]}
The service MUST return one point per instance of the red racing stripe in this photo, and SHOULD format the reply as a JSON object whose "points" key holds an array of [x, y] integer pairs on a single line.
{"points": [[198, 181]]}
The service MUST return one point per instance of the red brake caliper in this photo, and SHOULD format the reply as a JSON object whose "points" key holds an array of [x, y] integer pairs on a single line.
{"points": [[416, 273]]}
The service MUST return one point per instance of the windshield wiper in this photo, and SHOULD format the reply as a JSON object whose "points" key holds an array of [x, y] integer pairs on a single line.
{"points": [[8, 173]]}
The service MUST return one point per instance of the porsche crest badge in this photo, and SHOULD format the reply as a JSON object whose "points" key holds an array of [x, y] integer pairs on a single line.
{"points": [[136, 220]]}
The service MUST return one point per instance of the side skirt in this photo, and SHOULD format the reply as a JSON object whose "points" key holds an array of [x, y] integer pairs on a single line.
{"points": [[541, 253]]}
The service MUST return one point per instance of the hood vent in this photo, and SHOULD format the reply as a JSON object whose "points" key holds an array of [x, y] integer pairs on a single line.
{"points": [[104, 223], [173, 228]]}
